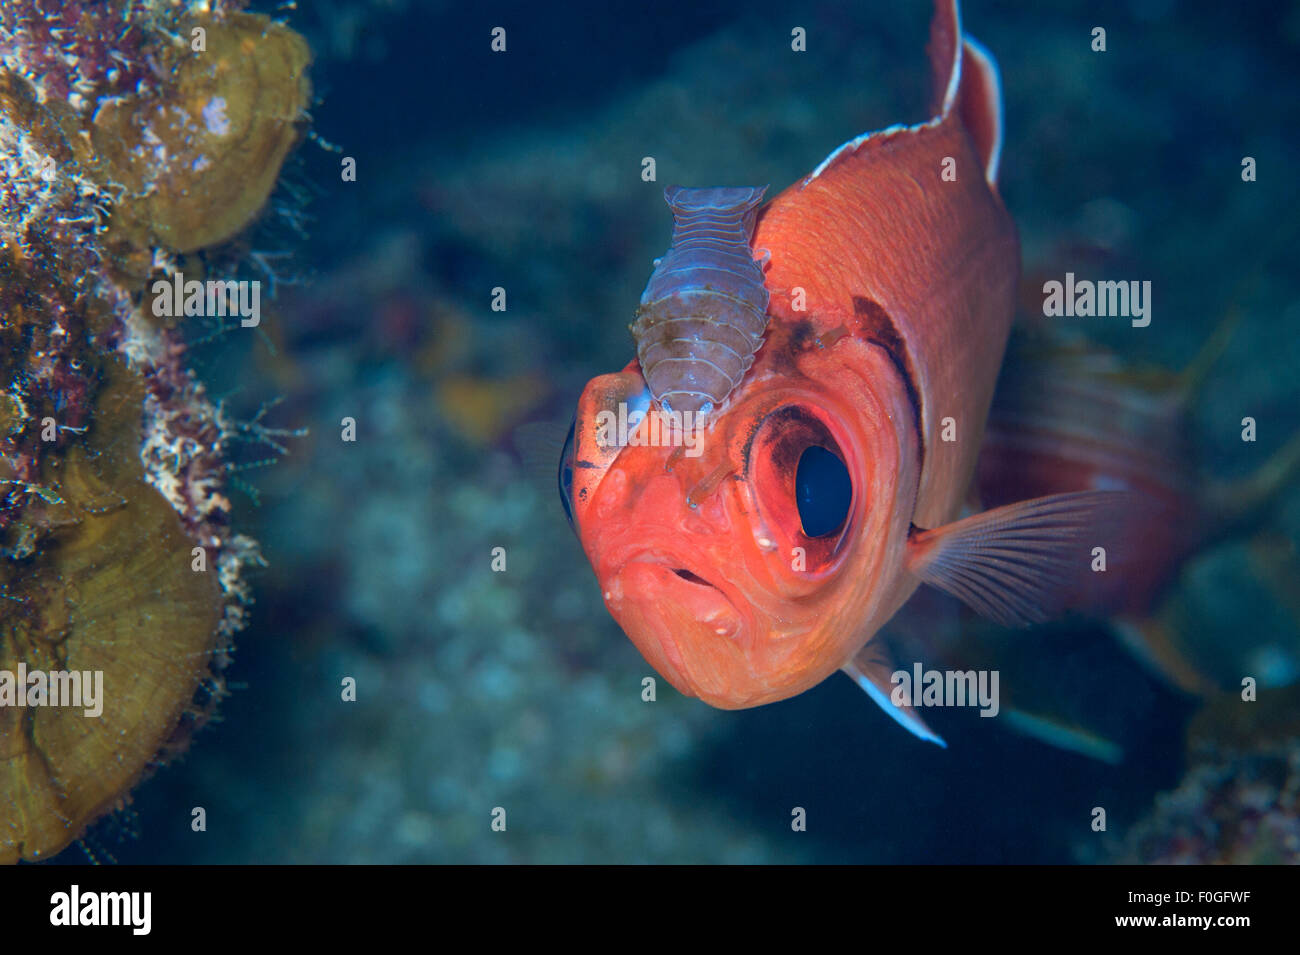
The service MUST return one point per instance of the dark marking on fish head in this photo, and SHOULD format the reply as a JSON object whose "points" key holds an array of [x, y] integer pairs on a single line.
{"points": [[875, 325], [802, 335], [786, 341]]}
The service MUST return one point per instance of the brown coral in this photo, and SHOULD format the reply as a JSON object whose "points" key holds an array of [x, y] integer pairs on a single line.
{"points": [[200, 159], [116, 552], [109, 588]]}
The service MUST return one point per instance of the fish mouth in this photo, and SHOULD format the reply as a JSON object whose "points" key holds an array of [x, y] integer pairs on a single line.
{"points": [[677, 618], [691, 577], [682, 582]]}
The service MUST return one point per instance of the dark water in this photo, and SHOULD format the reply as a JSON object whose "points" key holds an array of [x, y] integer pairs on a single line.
{"points": [[522, 170]]}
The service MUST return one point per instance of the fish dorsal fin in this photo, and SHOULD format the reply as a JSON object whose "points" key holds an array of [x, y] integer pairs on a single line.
{"points": [[966, 81], [872, 670], [980, 105], [967, 89], [945, 51], [1016, 564]]}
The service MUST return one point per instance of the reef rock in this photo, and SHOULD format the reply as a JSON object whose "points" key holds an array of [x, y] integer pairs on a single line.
{"points": [[121, 143]]}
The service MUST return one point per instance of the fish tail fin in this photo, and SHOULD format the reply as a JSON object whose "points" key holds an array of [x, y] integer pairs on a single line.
{"points": [[1155, 646], [1192, 378], [967, 84], [1062, 735], [1241, 505]]}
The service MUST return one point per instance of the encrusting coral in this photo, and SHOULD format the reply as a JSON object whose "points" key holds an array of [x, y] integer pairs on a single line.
{"points": [[1239, 802], [130, 131]]}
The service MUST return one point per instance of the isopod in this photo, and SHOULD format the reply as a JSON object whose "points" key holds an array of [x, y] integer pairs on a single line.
{"points": [[704, 311]]}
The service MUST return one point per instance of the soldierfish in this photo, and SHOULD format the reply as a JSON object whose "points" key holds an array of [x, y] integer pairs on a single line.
{"points": [[830, 476]]}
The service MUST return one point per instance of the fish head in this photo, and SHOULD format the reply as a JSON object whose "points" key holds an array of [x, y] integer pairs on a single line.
{"points": [[744, 559]]}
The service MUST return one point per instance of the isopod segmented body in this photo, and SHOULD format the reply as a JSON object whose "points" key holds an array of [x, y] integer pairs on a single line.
{"points": [[703, 314]]}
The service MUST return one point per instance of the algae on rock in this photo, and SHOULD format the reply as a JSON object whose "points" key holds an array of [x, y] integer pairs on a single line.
{"points": [[116, 552]]}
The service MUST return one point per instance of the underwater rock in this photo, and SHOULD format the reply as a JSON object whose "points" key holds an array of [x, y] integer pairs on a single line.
{"points": [[117, 557], [1234, 808], [1239, 802], [180, 122], [81, 51], [95, 566], [200, 159], [107, 587]]}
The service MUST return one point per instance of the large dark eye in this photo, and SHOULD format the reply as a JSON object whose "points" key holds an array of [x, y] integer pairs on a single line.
{"points": [[822, 491], [804, 490], [566, 473]]}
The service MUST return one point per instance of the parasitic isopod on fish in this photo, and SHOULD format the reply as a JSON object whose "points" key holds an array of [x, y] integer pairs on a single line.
{"points": [[704, 311]]}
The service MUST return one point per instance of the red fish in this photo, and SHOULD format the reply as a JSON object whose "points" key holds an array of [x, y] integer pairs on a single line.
{"points": [[765, 550]]}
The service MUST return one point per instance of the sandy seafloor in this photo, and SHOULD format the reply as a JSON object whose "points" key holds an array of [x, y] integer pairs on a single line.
{"points": [[522, 170]]}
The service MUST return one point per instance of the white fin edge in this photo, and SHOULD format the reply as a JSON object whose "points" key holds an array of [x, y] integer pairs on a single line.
{"points": [[908, 720], [989, 66], [857, 141], [1080, 742], [950, 95], [954, 74]]}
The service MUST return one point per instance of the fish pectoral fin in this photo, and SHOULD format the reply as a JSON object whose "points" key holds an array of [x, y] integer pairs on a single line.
{"points": [[871, 671], [1016, 564]]}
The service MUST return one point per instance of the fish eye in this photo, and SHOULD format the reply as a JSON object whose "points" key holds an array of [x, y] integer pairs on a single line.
{"points": [[565, 475], [798, 476], [823, 491]]}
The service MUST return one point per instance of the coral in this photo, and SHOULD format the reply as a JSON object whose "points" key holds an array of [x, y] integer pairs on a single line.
{"points": [[1239, 801], [199, 159], [1234, 807], [78, 52], [120, 145], [107, 587]]}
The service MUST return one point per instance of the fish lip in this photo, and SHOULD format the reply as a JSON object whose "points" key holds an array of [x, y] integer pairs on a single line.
{"points": [[693, 578], [688, 572]]}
